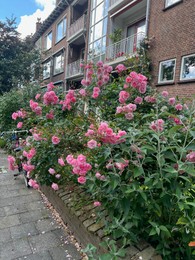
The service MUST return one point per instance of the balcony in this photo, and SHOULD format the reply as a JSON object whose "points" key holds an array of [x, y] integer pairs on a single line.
{"points": [[122, 50], [77, 29], [74, 70]]}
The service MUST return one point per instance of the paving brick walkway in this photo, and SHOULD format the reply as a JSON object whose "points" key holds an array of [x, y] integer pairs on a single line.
{"points": [[27, 229]]}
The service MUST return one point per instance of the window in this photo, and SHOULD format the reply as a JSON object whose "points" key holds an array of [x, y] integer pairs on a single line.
{"points": [[61, 29], [171, 2], [98, 27], [48, 41], [188, 67], [167, 71], [59, 63], [46, 69]]}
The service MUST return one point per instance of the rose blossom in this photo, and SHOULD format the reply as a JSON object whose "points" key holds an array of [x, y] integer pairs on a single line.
{"points": [[61, 161], [138, 100], [19, 125], [55, 186], [97, 203], [55, 140], [92, 144], [51, 171], [172, 101], [14, 116], [165, 93], [82, 179], [179, 107]]}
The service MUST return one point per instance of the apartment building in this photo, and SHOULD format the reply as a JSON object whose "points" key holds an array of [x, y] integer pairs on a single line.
{"points": [[111, 30], [172, 23]]}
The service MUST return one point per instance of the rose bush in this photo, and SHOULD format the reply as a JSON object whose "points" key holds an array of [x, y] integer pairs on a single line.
{"points": [[130, 147]]}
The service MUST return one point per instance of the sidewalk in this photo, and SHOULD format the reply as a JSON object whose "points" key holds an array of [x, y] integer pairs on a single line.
{"points": [[27, 228]]}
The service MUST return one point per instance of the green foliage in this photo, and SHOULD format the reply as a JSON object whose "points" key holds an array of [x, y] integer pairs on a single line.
{"points": [[13, 101], [116, 36], [152, 196], [16, 57]]}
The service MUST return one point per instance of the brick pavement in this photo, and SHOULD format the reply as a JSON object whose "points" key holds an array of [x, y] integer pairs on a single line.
{"points": [[27, 228]]}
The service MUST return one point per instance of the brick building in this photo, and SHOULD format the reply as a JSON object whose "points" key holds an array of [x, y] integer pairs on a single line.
{"points": [[172, 23], [111, 31]]}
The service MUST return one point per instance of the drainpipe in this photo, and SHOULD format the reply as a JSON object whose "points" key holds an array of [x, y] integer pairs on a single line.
{"points": [[147, 16]]}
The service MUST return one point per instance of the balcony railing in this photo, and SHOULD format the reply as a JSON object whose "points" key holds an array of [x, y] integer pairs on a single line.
{"points": [[74, 69], [77, 27], [121, 50]]}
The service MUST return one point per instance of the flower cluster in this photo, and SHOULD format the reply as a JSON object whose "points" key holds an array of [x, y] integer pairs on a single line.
{"points": [[70, 98], [80, 166], [191, 157], [29, 155], [157, 125], [127, 110], [11, 163], [33, 184], [50, 98], [35, 107], [19, 114], [138, 81], [105, 134]]}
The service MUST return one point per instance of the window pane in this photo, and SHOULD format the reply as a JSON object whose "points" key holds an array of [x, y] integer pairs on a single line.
{"points": [[48, 41], [97, 47], [188, 68], [171, 2], [61, 30], [99, 12], [59, 63], [98, 30], [167, 70], [46, 69]]}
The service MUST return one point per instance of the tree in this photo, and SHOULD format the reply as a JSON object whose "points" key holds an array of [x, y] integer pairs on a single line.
{"points": [[17, 57]]}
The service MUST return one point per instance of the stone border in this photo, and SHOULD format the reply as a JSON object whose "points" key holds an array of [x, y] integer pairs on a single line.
{"points": [[77, 211]]}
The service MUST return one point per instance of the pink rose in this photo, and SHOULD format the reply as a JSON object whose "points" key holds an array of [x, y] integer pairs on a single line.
{"points": [[179, 107], [55, 140], [82, 92], [37, 96], [55, 186], [97, 204], [165, 93], [51, 171], [61, 161], [19, 125], [82, 179], [172, 101], [92, 144], [138, 100], [14, 116]]}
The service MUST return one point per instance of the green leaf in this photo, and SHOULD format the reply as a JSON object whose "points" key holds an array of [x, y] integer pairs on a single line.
{"points": [[182, 221], [192, 133], [105, 257], [191, 204], [165, 230], [152, 232], [174, 129], [138, 171]]}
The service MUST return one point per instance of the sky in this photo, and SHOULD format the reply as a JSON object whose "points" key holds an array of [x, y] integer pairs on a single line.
{"points": [[26, 13]]}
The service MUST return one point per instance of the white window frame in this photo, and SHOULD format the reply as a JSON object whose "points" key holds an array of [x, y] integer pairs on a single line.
{"points": [[46, 74], [182, 68], [46, 40], [160, 69], [64, 30], [169, 2], [61, 69]]}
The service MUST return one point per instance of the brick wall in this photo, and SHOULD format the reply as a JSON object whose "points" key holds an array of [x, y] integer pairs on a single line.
{"points": [[174, 32]]}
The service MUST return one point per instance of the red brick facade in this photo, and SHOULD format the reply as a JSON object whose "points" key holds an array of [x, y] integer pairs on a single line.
{"points": [[174, 32]]}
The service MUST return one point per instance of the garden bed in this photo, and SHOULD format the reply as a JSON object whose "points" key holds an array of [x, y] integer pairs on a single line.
{"points": [[78, 212]]}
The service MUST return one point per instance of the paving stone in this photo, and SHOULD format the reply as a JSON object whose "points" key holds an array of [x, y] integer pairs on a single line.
{"points": [[142, 245], [14, 249], [65, 252], [88, 222], [24, 230], [38, 256], [35, 205], [9, 221], [44, 242], [131, 251], [33, 216], [2, 212], [12, 210], [5, 235], [46, 225], [147, 253], [9, 193]]}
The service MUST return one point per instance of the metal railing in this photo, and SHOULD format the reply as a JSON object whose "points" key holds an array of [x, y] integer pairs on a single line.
{"points": [[74, 69], [77, 26], [122, 49]]}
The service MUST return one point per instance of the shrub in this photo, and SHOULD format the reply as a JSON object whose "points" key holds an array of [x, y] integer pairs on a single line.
{"points": [[132, 148]]}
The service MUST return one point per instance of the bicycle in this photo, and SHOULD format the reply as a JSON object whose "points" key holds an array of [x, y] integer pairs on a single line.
{"points": [[16, 147]]}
